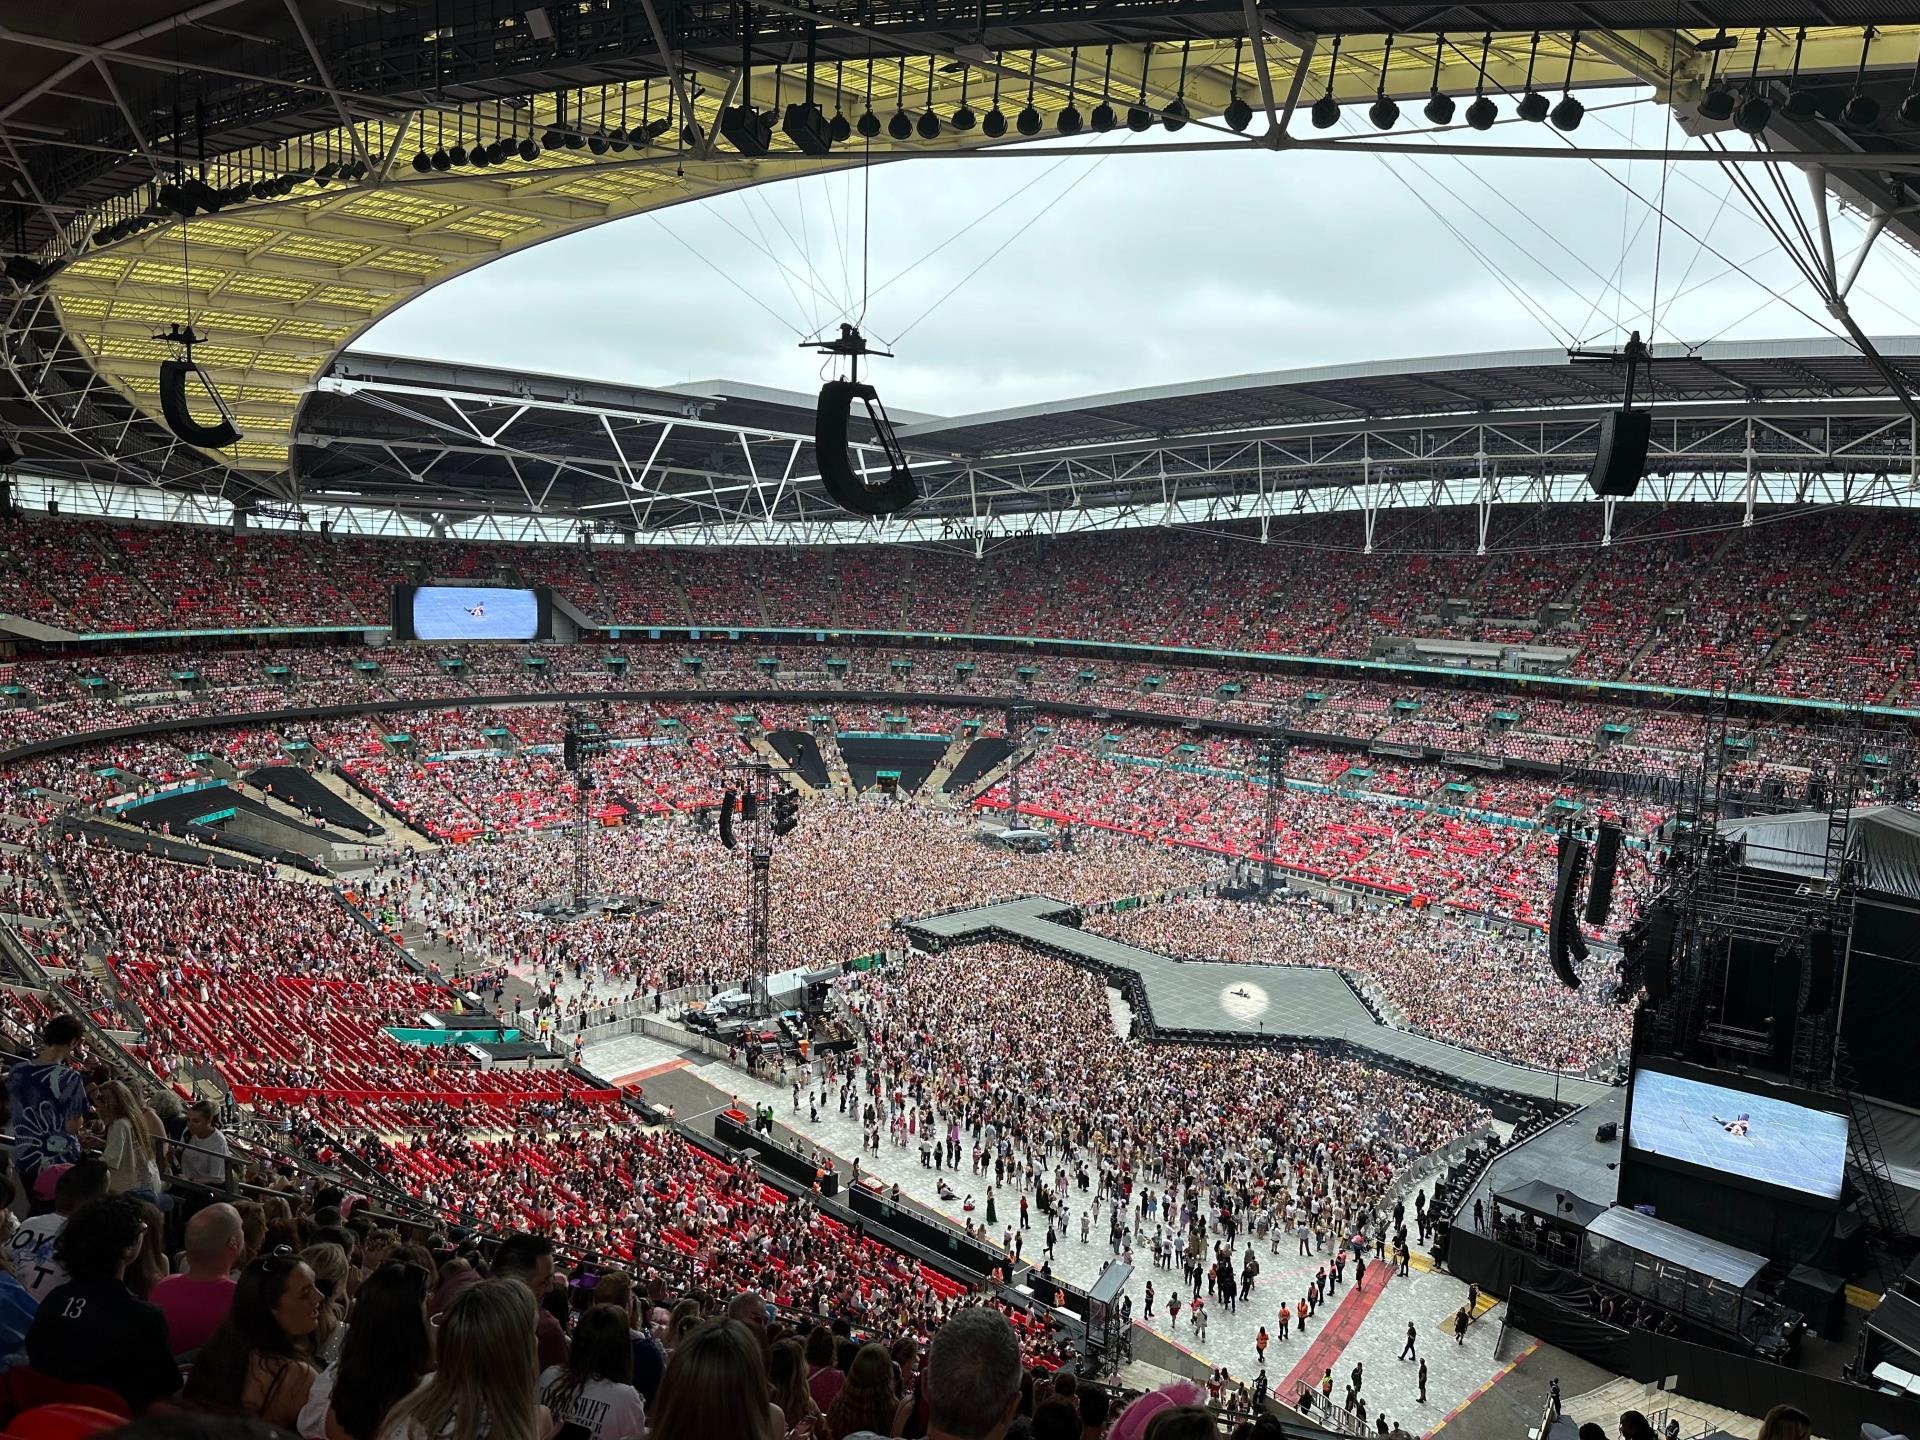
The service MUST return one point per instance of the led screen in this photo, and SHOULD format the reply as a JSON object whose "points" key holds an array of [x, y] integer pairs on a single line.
{"points": [[1738, 1132], [451, 612]]}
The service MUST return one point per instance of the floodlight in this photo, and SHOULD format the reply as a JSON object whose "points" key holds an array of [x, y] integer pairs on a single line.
{"points": [[1438, 109], [963, 118], [1482, 113], [1069, 121], [1717, 104], [868, 124], [1754, 115], [1384, 112], [1238, 114], [1175, 115], [1568, 113], [1027, 122], [927, 127], [1533, 107], [995, 123], [1861, 110], [1326, 112], [1103, 119], [900, 127]]}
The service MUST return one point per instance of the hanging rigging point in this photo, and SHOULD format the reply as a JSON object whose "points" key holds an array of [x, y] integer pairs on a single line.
{"points": [[852, 489]]}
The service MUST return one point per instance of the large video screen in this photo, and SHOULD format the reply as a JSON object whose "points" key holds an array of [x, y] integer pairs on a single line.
{"points": [[458, 612], [1738, 1133]]}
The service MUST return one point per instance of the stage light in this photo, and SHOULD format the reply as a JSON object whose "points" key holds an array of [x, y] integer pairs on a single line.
{"points": [[1861, 110], [1910, 108], [1139, 119], [1069, 121], [1384, 112], [1027, 122], [1482, 113], [597, 143], [457, 157], [963, 118], [1438, 109], [994, 125], [1238, 114], [575, 140], [900, 127], [839, 128], [1754, 115], [529, 150], [1801, 104], [1717, 104], [927, 127], [868, 124], [1532, 107], [1174, 117], [479, 157], [440, 160], [172, 198], [1568, 112], [553, 139], [1325, 112]]}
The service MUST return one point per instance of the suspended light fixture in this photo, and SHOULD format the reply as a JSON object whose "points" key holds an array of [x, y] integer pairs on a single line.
{"points": [[1861, 109], [1103, 118], [1533, 105], [1910, 107], [963, 118], [1069, 121], [928, 126], [1139, 118], [1568, 112], [1238, 114], [1175, 115], [1439, 107], [1028, 120], [618, 141], [556, 136], [1803, 103], [994, 124], [869, 123], [1326, 110], [900, 127], [1717, 104], [457, 157], [440, 159], [1384, 111], [1482, 112], [1756, 110]]}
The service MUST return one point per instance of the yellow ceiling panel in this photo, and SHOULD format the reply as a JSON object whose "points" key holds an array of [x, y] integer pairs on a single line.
{"points": [[264, 395], [158, 272], [88, 307], [313, 330], [126, 347], [490, 224], [396, 208], [100, 267], [352, 297], [268, 287], [322, 248], [407, 262], [258, 450], [224, 234]]}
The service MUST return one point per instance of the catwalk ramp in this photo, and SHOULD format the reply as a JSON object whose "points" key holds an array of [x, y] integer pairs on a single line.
{"points": [[1213, 1002]]}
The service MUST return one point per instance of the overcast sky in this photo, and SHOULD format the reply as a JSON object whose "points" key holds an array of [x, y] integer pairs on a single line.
{"points": [[1006, 281]]}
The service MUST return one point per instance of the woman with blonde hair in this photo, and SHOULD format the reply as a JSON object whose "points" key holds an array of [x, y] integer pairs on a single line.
{"points": [[715, 1388], [685, 1319], [484, 1384], [129, 1149], [331, 1268]]}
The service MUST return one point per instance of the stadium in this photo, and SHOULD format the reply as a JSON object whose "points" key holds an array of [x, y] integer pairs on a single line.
{"points": [[523, 886]]}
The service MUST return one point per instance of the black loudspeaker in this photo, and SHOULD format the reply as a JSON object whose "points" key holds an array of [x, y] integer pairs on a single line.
{"points": [[846, 489], [1606, 1134], [726, 820], [1819, 972], [1606, 858], [1649, 947], [1563, 932], [9, 452], [7, 512], [173, 405], [570, 752], [1620, 457]]}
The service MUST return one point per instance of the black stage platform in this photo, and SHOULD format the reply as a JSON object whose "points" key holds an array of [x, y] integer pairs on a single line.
{"points": [[1210, 1001]]}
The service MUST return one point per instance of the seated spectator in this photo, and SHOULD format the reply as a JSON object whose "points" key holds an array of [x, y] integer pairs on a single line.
{"points": [[787, 1381], [592, 1395], [865, 1402], [824, 1379], [328, 1260], [484, 1384], [388, 1350], [47, 1099], [716, 1385], [256, 1363], [529, 1259], [649, 1360], [31, 1249], [197, 1300], [90, 1330]]}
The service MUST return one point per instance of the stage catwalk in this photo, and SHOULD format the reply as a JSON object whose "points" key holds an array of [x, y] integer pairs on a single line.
{"points": [[1216, 1000]]}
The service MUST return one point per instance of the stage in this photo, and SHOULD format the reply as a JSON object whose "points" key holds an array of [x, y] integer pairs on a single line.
{"points": [[1212, 1001]]}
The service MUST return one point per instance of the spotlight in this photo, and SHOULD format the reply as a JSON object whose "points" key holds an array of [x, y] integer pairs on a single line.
{"points": [[963, 118], [1384, 112], [1801, 104], [927, 127], [1438, 109], [1754, 115], [529, 150], [1325, 113], [1717, 104], [552, 140], [995, 123], [900, 127], [1568, 112], [1861, 110], [1482, 113], [1533, 107], [1103, 118], [1027, 122], [325, 173], [1139, 119], [597, 143], [498, 151], [1910, 108], [1069, 121], [479, 157], [1175, 115], [654, 129], [617, 141], [1238, 114], [691, 137], [868, 124], [575, 140]]}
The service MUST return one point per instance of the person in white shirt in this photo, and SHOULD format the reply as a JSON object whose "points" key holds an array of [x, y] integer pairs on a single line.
{"points": [[30, 1247], [203, 1159], [592, 1395]]}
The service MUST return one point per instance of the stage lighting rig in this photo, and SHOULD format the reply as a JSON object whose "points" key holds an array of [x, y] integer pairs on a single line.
{"points": [[852, 491], [1326, 110]]}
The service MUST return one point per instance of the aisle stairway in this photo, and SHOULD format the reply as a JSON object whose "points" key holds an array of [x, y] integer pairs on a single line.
{"points": [[1015, 758], [396, 835], [836, 764], [764, 749], [933, 790]]}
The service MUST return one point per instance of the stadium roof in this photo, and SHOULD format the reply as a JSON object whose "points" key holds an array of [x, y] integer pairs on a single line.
{"points": [[310, 117]]}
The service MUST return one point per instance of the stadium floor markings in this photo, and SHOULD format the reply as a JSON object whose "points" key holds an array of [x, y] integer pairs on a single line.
{"points": [[1341, 1326], [635, 1077], [1498, 1375]]}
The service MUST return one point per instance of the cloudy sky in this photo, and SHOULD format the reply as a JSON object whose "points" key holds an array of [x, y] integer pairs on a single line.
{"points": [[1004, 281]]}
